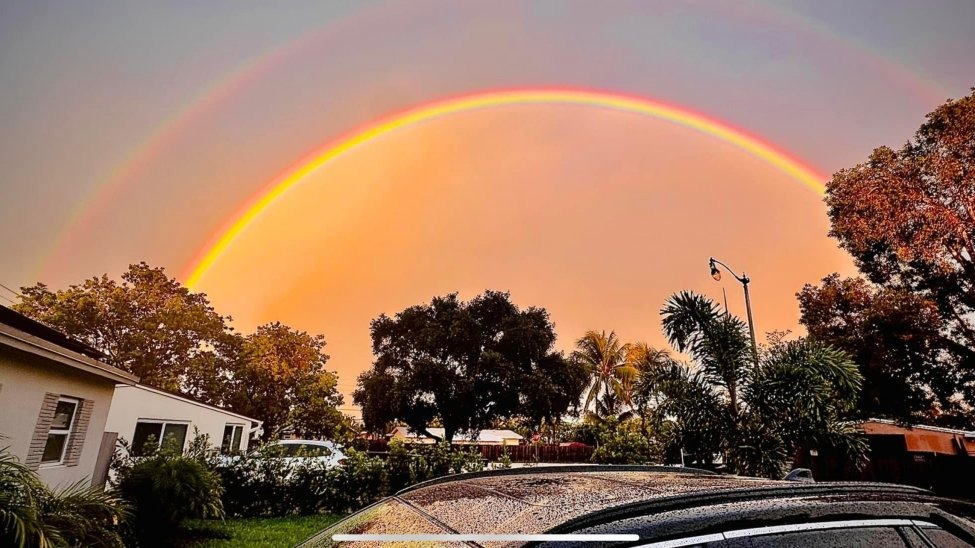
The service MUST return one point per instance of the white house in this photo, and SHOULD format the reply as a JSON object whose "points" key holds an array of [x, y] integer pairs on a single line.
{"points": [[433, 435], [55, 394], [141, 413]]}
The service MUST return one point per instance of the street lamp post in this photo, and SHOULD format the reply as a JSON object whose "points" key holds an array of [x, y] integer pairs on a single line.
{"points": [[716, 274]]}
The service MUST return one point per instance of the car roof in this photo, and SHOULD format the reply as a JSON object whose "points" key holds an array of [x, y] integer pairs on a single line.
{"points": [[540, 499]]}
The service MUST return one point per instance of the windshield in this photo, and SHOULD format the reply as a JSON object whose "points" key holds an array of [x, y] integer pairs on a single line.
{"points": [[387, 517]]}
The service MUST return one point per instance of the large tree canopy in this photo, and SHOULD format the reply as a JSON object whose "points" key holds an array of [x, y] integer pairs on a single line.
{"points": [[152, 326], [893, 335], [907, 217], [466, 364], [148, 324], [282, 379]]}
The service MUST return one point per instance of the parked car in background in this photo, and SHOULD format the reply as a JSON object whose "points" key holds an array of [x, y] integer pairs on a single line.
{"points": [[660, 507], [326, 452]]}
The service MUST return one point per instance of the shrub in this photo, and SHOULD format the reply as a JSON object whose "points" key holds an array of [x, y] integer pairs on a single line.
{"points": [[623, 447], [256, 486], [504, 461], [359, 482], [262, 485], [167, 488], [400, 465], [463, 460]]}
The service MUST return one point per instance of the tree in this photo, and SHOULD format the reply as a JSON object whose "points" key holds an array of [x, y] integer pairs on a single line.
{"points": [[611, 374], [31, 514], [908, 219], [281, 378], [148, 324], [314, 412], [716, 340], [465, 364], [893, 335], [152, 326], [801, 394]]}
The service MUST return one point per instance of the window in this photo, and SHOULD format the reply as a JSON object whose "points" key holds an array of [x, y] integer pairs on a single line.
{"points": [[151, 435], [300, 450], [866, 533], [867, 537], [57, 435], [941, 538], [232, 434]]}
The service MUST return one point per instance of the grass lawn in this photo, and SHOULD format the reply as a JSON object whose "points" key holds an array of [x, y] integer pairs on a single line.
{"points": [[249, 532]]}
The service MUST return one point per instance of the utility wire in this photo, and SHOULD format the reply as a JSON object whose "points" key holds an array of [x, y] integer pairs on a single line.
{"points": [[11, 290]]}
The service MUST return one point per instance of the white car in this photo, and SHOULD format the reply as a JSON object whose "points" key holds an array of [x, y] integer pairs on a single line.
{"points": [[328, 453]]}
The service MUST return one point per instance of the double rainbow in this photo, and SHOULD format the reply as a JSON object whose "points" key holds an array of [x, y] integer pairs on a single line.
{"points": [[223, 239]]}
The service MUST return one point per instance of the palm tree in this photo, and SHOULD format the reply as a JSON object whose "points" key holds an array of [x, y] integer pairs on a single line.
{"points": [[648, 363], [717, 341], [800, 395], [612, 376], [33, 515]]}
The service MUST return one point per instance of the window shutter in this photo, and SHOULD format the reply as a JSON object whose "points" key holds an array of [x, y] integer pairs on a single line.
{"points": [[76, 440], [39, 439]]}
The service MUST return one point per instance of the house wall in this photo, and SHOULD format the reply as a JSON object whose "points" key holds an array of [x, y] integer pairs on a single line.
{"points": [[25, 381], [133, 403]]}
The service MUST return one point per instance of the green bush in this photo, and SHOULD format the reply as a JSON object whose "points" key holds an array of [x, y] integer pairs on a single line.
{"points": [[256, 486], [167, 488], [623, 447], [401, 465], [504, 461], [361, 481]]}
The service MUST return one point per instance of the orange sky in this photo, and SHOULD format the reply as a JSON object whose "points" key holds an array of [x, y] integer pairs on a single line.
{"points": [[595, 215]]}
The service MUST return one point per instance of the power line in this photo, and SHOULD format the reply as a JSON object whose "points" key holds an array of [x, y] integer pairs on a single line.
{"points": [[11, 290]]}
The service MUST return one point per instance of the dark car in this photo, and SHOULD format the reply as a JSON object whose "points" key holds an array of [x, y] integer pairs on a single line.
{"points": [[657, 507]]}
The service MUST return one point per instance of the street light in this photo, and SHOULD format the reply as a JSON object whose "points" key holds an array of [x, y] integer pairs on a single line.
{"points": [[716, 274]]}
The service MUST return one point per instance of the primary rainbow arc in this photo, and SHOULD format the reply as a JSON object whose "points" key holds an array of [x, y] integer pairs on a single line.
{"points": [[263, 199]]}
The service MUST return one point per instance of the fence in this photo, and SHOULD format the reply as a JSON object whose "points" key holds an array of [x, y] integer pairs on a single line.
{"points": [[949, 475], [517, 453], [539, 453]]}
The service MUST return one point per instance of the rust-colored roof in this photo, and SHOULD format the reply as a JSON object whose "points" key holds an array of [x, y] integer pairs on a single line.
{"points": [[925, 439]]}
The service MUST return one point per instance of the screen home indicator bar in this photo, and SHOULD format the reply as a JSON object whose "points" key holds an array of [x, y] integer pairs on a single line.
{"points": [[487, 538]]}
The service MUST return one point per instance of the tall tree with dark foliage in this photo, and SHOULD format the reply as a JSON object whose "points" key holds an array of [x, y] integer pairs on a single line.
{"points": [[907, 217], [466, 364]]}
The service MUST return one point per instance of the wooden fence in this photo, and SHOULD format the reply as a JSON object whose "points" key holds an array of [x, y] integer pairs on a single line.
{"points": [[949, 475], [517, 453]]}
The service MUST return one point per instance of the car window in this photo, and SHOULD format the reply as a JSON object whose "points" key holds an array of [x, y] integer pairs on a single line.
{"points": [[856, 533], [309, 450], [943, 539], [853, 537], [389, 517]]}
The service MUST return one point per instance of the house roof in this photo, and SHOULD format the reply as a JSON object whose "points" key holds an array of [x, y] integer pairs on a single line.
{"points": [[187, 399], [923, 438], [28, 335], [42, 331], [483, 436], [405, 432]]}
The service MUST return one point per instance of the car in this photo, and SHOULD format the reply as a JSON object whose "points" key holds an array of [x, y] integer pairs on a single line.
{"points": [[326, 452], [655, 507]]}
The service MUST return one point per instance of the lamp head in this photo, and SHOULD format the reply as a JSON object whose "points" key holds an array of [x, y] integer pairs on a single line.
{"points": [[715, 273]]}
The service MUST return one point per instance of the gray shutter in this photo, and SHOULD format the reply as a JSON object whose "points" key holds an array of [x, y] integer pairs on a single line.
{"points": [[39, 439], [76, 439]]}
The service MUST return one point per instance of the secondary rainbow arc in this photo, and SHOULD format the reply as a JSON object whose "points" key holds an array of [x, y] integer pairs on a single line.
{"points": [[221, 241]]}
